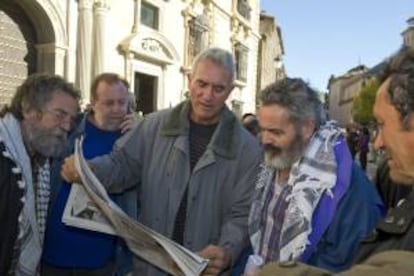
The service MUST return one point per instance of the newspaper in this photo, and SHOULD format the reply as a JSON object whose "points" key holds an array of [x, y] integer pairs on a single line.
{"points": [[89, 207]]}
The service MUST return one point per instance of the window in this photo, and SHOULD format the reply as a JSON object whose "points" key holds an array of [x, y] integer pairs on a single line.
{"points": [[198, 41], [236, 107], [149, 15], [243, 8], [241, 54]]}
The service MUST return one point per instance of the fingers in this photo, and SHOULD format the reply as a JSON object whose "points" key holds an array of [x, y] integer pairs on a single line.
{"points": [[219, 258], [214, 267], [128, 123], [68, 171]]}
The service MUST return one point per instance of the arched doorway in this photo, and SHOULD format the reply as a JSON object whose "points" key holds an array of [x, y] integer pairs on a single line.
{"points": [[17, 49]]}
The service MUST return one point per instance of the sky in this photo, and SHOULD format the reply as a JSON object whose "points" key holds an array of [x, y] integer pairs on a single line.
{"points": [[325, 37]]}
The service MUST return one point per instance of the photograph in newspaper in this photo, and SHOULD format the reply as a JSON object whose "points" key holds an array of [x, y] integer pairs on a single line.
{"points": [[141, 240], [82, 212]]}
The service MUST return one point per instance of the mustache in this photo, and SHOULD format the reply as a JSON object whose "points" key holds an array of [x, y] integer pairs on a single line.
{"points": [[60, 134], [269, 148]]}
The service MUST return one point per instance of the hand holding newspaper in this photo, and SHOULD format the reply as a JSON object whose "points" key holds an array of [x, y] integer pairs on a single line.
{"points": [[94, 210]]}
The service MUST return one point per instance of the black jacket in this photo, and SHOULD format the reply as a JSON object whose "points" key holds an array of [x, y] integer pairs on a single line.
{"points": [[394, 232], [10, 208]]}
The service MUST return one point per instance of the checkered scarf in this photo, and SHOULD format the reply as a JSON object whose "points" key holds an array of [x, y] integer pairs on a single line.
{"points": [[32, 218], [42, 192], [311, 177]]}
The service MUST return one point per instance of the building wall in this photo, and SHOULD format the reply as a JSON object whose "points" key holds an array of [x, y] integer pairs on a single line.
{"points": [[81, 38], [342, 91], [408, 33], [270, 53]]}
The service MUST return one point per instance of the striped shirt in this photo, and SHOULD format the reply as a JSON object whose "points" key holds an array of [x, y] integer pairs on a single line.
{"points": [[275, 205]]}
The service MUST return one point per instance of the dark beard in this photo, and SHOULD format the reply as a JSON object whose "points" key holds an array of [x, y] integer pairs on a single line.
{"points": [[271, 149]]}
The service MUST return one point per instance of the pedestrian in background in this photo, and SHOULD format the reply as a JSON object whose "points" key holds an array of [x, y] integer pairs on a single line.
{"points": [[250, 122], [352, 140], [363, 147]]}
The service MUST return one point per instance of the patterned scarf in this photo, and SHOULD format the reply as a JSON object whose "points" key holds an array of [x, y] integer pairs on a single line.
{"points": [[313, 176], [32, 219]]}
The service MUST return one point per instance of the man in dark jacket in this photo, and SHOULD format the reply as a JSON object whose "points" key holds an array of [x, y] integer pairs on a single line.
{"points": [[32, 129], [393, 110]]}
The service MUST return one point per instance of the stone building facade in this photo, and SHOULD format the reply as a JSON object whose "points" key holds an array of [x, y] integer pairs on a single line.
{"points": [[271, 52], [408, 33], [343, 89], [149, 42]]}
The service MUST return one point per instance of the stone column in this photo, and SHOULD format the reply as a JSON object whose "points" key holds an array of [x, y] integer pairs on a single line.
{"points": [[84, 49], [137, 16], [71, 23], [100, 11], [51, 58]]}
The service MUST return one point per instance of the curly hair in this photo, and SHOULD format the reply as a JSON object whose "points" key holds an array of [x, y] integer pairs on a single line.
{"points": [[400, 70], [36, 92], [297, 97]]}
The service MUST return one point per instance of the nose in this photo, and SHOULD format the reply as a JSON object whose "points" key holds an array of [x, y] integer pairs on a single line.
{"points": [[208, 92], [378, 142], [266, 137], [66, 125]]}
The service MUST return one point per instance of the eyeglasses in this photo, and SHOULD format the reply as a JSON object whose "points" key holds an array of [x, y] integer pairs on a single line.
{"points": [[62, 116]]}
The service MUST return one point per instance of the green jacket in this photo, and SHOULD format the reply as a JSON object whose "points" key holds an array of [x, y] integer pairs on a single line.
{"points": [[383, 264]]}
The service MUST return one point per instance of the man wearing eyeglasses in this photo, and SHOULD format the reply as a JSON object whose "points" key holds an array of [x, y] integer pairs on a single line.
{"points": [[73, 251], [33, 129]]}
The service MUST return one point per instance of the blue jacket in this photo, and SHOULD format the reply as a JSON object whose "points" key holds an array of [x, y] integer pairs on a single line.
{"points": [[358, 211]]}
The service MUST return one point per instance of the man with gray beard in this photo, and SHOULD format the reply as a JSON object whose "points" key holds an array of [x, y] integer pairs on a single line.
{"points": [[312, 203], [33, 129]]}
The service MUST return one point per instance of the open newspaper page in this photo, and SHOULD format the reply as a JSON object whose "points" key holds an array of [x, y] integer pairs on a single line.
{"points": [[81, 211], [141, 240]]}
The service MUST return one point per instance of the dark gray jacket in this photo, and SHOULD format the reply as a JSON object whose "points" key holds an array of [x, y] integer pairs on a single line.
{"points": [[220, 186]]}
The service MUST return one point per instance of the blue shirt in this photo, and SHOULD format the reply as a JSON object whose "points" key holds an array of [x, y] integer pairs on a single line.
{"points": [[71, 247]]}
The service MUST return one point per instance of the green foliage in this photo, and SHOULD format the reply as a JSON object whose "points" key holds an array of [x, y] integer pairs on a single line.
{"points": [[363, 102]]}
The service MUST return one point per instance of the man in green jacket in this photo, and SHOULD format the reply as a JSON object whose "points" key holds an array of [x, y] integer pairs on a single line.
{"points": [[197, 166]]}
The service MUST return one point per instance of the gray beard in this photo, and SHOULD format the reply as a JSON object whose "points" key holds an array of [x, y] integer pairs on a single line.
{"points": [[280, 162], [286, 158], [45, 142]]}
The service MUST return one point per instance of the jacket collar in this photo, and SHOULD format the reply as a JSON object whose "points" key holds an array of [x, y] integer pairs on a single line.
{"points": [[226, 138]]}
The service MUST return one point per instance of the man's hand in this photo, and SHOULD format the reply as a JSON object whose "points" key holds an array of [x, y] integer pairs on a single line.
{"points": [[220, 259], [68, 171], [130, 120]]}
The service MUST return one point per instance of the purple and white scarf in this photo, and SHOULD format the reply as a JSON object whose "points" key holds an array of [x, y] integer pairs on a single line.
{"points": [[311, 178]]}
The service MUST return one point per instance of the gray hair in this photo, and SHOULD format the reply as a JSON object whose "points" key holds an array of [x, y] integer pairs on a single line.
{"points": [[220, 57], [301, 101], [400, 70]]}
